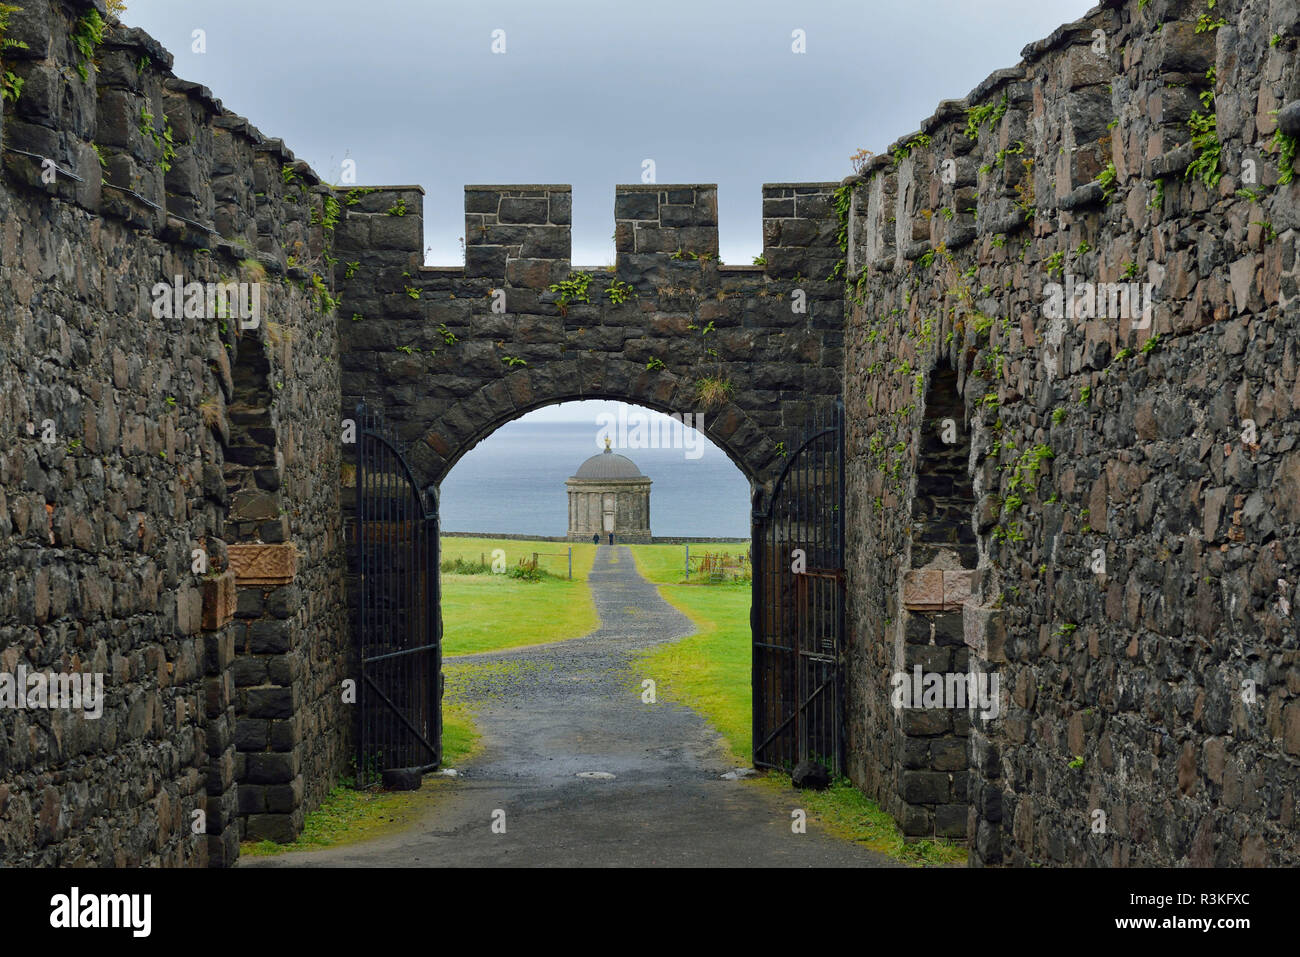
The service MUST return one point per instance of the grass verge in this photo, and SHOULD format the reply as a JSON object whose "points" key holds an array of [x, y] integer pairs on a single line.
{"points": [[709, 672], [348, 815], [846, 812]]}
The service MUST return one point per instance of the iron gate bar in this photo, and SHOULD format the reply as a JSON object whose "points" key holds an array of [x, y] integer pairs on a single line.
{"points": [[797, 618], [398, 712], [399, 654], [398, 627]]}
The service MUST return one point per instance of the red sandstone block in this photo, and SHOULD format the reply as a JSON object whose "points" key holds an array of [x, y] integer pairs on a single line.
{"points": [[923, 589], [263, 565], [219, 600]]}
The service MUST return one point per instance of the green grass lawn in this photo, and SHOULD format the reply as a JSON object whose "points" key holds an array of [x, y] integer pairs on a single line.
{"points": [[709, 672], [666, 564], [490, 612], [460, 738]]}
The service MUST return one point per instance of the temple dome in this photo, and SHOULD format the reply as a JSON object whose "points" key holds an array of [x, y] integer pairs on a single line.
{"points": [[608, 465]]}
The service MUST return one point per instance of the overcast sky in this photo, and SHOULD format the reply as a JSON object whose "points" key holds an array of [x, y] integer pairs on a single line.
{"points": [[708, 89]]}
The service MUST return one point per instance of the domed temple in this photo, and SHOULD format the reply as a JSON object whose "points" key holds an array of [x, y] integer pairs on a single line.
{"points": [[609, 494]]}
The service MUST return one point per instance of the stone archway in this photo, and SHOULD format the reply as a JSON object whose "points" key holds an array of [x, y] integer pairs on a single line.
{"points": [[471, 421], [450, 354]]}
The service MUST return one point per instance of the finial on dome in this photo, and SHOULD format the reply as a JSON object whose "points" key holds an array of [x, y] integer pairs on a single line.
{"points": [[607, 448]]}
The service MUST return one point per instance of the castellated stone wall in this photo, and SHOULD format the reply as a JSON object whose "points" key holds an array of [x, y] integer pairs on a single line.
{"points": [[128, 442], [452, 353], [1134, 486]]}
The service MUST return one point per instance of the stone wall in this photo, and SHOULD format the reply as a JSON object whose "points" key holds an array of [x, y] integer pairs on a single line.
{"points": [[1134, 485], [453, 353], [134, 450]]}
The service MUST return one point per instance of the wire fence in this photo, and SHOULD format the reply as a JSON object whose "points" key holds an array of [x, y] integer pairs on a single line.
{"points": [[531, 566], [715, 568]]}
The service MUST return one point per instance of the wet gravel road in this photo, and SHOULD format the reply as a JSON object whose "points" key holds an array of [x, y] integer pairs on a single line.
{"points": [[550, 713]]}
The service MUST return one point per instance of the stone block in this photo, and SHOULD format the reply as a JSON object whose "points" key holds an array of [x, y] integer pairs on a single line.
{"points": [[547, 242], [561, 213], [284, 602], [249, 602], [636, 204], [956, 588], [985, 632], [923, 589], [270, 637], [220, 600], [916, 821], [482, 200], [400, 233], [189, 610], [925, 721], [950, 820], [270, 702], [252, 798], [270, 767], [924, 787], [1291, 728], [517, 209], [948, 754], [279, 828], [284, 798], [402, 779], [248, 671], [252, 734], [933, 589], [534, 273], [263, 565]]}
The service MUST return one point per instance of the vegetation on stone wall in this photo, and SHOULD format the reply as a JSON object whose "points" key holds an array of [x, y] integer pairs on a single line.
{"points": [[1205, 139], [11, 85], [1285, 147], [989, 114], [87, 35]]}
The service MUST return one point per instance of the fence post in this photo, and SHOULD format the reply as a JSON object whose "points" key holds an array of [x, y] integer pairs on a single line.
{"points": [[570, 563], [688, 562]]}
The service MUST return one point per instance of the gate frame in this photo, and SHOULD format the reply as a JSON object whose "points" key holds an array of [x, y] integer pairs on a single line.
{"points": [[762, 519], [424, 519]]}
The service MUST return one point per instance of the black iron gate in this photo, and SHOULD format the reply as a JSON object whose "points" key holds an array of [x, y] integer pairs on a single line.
{"points": [[398, 630], [797, 611]]}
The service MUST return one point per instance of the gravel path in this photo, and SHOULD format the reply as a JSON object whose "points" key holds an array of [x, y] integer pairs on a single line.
{"points": [[552, 712]]}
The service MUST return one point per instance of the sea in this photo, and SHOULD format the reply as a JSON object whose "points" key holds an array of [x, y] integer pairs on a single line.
{"points": [[513, 481]]}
